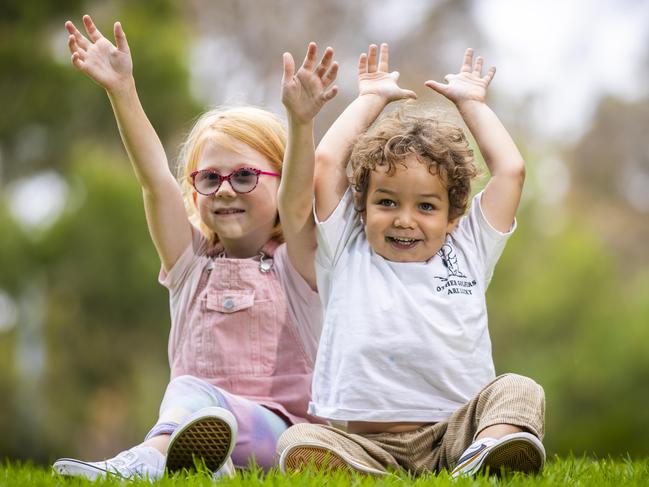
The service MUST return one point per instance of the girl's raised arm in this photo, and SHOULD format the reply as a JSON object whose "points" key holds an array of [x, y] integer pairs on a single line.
{"points": [[304, 92], [111, 67]]}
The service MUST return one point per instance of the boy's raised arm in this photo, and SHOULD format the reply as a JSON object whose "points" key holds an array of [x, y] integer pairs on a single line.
{"points": [[467, 90], [303, 94], [376, 88], [111, 67]]}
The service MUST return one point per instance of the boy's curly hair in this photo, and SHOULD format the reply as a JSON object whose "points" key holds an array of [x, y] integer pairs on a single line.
{"points": [[441, 145]]}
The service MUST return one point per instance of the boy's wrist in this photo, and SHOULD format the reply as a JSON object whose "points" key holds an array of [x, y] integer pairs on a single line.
{"points": [[469, 104], [374, 98]]}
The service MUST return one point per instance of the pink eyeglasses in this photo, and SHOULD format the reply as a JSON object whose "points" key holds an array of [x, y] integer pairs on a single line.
{"points": [[242, 180]]}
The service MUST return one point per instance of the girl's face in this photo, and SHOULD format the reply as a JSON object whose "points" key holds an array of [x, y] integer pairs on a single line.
{"points": [[406, 217], [243, 222]]}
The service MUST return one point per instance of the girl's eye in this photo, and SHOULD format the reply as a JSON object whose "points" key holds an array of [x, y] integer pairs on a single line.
{"points": [[386, 202], [244, 173], [426, 207]]}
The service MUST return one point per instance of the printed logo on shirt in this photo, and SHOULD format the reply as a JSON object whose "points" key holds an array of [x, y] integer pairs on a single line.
{"points": [[455, 281]]}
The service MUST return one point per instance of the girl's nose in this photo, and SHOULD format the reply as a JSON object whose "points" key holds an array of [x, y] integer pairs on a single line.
{"points": [[225, 191]]}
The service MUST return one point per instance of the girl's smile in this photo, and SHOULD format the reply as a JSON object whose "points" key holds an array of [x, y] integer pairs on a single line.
{"points": [[243, 221]]}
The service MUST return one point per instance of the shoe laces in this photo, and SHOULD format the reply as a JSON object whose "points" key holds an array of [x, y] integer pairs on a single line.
{"points": [[131, 464]]}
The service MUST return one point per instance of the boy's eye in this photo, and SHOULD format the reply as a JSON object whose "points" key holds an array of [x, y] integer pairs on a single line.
{"points": [[386, 202], [426, 206]]}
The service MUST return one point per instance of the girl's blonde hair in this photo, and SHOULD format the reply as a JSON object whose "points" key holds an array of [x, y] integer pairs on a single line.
{"points": [[255, 127]]}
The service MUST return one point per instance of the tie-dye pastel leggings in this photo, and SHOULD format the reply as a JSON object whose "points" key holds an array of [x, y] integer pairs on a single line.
{"points": [[258, 427]]}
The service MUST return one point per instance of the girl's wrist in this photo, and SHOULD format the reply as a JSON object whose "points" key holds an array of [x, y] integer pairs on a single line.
{"points": [[299, 124], [125, 87]]}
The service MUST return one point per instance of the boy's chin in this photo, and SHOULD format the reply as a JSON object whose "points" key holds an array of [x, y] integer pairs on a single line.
{"points": [[403, 256]]}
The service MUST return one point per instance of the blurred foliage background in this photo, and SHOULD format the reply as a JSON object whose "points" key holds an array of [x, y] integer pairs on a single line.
{"points": [[83, 322]]}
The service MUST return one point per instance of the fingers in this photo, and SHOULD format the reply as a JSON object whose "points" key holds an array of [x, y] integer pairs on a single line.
{"points": [[490, 75], [372, 55], [376, 59], [309, 59], [120, 37], [409, 94], [330, 94], [325, 62], [362, 64], [383, 58], [477, 67], [77, 62], [468, 61], [330, 75], [289, 66], [93, 33], [440, 88], [81, 41], [72, 45]]}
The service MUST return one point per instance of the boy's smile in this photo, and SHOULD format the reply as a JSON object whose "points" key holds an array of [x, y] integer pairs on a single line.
{"points": [[406, 217]]}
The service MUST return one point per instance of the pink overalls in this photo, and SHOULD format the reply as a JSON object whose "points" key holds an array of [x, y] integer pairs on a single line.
{"points": [[244, 335]]}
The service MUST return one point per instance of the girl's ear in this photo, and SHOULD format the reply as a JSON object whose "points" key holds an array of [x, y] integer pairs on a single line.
{"points": [[195, 198]]}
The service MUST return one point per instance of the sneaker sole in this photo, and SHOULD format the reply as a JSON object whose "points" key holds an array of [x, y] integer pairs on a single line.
{"points": [[206, 440], [516, 455], [323, 459]]}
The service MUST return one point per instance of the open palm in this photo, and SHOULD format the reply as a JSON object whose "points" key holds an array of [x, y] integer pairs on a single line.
{"points": [[107, 64], [468, 84], [374, 77], [305, 92]]}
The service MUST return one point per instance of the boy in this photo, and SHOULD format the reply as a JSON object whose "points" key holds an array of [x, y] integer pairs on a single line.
{"points": [[405, 355]]}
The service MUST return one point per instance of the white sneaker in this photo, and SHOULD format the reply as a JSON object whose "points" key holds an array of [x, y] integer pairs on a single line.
{"points": [[139, 462], [206, 436], [227, 470], [518, 452]]}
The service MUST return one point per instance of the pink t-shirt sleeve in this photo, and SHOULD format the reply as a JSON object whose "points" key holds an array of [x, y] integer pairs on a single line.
{"points": [[186, 263], [303, 302]]}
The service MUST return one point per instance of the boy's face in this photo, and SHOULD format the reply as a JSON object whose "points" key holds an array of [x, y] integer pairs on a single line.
{"points": [[406, 216]]}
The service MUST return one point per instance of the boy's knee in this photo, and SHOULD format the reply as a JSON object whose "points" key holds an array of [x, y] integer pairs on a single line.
{"points": [[521, 386]]}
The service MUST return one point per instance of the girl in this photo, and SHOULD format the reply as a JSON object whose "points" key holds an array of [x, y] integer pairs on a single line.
{"points": [[244, 311]]}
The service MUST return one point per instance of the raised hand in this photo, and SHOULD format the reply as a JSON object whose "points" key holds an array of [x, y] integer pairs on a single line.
{"points": [[305, 92], [468, 84], [106, 64], [375, 79]]}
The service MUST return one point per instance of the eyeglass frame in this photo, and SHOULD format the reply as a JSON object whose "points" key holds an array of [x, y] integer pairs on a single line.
{"points": [[258, 172]]}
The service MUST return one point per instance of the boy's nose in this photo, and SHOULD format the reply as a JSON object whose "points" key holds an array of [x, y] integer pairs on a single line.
{"points": [[404, 220]]}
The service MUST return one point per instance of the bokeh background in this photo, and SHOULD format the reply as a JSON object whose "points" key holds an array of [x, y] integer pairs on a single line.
{"points": [[83, 322]]}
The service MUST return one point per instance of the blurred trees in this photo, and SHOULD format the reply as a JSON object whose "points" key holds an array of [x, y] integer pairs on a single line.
{"points": [[83, 370], [85, 366]]}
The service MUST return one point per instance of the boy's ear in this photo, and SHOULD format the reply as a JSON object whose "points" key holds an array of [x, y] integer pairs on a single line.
{"points": [[452, 224]]}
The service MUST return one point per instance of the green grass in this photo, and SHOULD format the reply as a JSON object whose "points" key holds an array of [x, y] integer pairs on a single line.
{"points": [[559, 471]]}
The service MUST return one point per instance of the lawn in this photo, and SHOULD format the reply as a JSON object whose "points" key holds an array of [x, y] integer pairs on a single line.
{"points": [[558, 471]]}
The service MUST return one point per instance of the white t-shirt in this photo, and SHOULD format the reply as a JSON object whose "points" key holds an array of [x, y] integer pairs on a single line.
{"points": [[402, 341]]}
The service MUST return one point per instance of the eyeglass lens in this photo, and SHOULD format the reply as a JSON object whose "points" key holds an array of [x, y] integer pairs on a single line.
{"points": [[242, 181]]}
